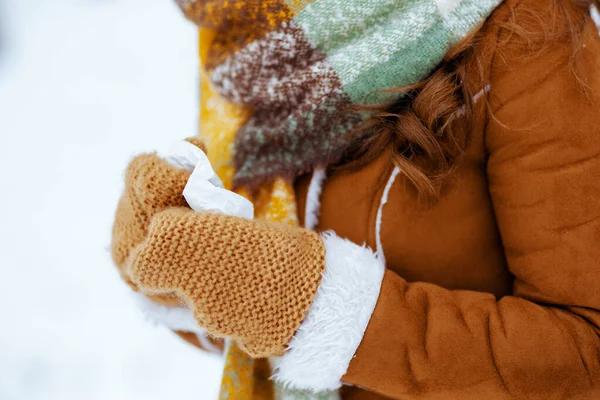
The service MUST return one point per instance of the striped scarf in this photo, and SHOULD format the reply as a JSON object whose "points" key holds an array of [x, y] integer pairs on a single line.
{"points": [[299, 65], [277, 80]]}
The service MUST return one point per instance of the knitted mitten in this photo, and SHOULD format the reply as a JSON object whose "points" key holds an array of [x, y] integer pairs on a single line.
{"points": [[151, 185], [249, 280]]}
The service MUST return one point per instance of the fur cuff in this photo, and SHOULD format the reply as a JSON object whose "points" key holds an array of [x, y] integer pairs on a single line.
{"points": [[326, 341], [175, 318]]}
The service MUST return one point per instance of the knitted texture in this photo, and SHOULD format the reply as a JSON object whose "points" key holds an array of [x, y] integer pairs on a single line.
{"points": [[151, 185], [298, 65], [248, 280]]}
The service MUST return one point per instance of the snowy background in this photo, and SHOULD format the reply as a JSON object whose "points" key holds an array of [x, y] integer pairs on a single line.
{"points": [[85, 85]]}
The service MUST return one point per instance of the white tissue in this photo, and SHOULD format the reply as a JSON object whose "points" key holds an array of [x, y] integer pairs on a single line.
{"points": [[187, 156], [204, 191]]}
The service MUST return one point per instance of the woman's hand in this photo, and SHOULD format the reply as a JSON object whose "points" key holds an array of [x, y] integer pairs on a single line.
{"points": [[152, 185], [243, 279]]}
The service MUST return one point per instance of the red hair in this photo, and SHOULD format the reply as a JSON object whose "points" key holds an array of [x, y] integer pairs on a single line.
{"points": [[421, 128]]}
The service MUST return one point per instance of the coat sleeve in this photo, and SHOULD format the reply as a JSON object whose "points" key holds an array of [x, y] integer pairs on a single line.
{"points": [[542, 342]]}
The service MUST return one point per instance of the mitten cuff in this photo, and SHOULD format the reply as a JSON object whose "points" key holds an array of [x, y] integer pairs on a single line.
{"points": [[326, 341]]}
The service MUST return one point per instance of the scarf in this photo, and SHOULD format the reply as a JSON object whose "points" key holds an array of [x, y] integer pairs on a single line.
{"points": [[277, 80]]}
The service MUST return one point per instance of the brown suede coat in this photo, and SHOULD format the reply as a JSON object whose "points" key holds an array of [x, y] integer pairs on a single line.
{"points": [[494, 293]]}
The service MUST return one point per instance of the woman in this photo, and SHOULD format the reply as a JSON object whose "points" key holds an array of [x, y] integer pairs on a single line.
{"points": [[457, 139]]}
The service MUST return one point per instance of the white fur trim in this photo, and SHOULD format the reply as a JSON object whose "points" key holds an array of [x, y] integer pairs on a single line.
{"points": [[326, 341], [175, 318], [313, 199], [595, 15], [206, 344], [382, 203]]}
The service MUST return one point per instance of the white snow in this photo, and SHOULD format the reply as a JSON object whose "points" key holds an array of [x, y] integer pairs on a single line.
{"points": [[85, 85]]}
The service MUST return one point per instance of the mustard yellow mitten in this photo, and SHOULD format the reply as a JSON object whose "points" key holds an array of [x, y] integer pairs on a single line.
{"points": [[151, 185], [248, 280]]}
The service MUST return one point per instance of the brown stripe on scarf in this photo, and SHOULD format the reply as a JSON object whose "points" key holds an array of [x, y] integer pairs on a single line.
{"points": [[275, 71], [274, 143], [299, 118]]}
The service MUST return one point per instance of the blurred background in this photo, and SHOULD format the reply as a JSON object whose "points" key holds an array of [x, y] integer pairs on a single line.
{"points": [[85, 85]]}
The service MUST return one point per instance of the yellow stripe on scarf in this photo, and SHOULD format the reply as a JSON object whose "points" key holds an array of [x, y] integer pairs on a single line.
{"points": [[243, 377]]}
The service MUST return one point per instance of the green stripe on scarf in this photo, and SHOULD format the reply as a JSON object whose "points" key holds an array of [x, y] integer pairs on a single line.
{"points": [[386, 44], [312, 60]]}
